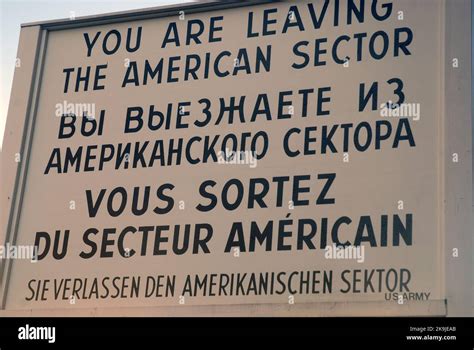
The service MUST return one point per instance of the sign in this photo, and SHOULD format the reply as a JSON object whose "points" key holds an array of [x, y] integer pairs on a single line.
{"points": [[282, 153]]}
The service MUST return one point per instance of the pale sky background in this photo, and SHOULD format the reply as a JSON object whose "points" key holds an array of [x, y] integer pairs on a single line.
{"points": [[15, 12]]}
